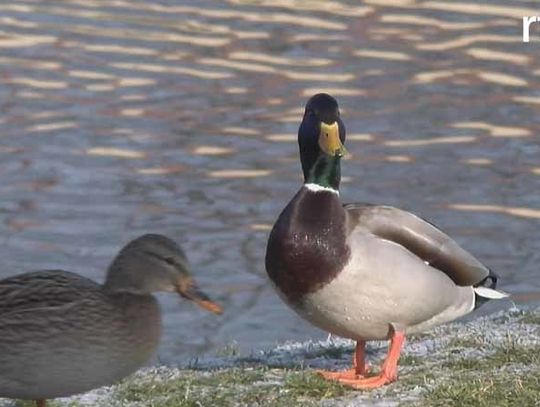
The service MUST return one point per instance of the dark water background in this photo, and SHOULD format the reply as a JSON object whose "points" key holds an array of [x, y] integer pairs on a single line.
{"points": [[123, 117]]}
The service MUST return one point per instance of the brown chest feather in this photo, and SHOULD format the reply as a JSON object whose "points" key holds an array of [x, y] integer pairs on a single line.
{"points": [[307, 246]]}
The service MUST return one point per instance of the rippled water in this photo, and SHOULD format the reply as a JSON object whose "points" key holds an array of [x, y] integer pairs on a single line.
{"points": [[123, 117]]}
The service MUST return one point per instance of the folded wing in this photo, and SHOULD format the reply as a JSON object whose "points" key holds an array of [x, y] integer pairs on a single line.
{"points": [[419, 237], [42, 289]]}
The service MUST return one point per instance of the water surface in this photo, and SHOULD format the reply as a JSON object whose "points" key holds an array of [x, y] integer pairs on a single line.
{"points": [[179, 117]]}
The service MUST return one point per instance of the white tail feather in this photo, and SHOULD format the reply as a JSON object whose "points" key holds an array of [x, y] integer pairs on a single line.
{"points": [[490, 293]]}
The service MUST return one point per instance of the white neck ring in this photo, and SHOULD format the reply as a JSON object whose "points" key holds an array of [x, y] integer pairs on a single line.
{"points": [[319, 188]]}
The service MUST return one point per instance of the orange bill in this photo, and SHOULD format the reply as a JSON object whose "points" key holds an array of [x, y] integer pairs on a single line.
{"points": [[190, 291]]}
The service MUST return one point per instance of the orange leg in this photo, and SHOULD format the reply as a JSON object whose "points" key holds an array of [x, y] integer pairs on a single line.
{"points": [[41, 403], [358, 370], [388, 372]]}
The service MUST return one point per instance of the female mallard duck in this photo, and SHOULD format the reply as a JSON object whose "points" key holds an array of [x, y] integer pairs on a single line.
{"points": [[61, 333], [361, 271]]}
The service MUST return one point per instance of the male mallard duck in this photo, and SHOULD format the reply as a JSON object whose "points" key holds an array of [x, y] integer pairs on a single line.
{"points": [[61, 333], [360, 271]]}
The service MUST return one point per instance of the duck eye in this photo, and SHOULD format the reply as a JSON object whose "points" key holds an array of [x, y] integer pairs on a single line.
{"points": [[169, 260]]}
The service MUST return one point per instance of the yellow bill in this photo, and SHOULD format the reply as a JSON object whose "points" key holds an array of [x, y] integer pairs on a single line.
{"points": [[329, 140]]}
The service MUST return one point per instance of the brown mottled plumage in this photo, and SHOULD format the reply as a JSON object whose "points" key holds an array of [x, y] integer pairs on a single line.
{"points": [[61, 333]]}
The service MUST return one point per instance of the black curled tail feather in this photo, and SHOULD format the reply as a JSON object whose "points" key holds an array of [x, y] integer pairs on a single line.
{"points": [[490, 282]]}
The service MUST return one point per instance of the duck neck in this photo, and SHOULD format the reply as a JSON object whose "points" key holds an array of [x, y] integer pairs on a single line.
{"points": [[127, 275], [325, 172]]}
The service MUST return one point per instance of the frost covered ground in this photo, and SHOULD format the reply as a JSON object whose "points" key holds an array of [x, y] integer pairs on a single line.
{"points": [[490, 361]]}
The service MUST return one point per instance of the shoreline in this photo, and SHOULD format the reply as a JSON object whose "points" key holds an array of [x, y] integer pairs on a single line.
{"points": [[491, 359]]}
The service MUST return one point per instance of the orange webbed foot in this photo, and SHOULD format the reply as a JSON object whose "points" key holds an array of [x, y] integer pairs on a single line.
{"points": [[367, 383], [358, 371], [356, 377], [349, 374]]}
